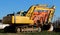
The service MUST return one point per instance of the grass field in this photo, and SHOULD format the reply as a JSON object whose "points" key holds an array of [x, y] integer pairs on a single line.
{"points": [[31, 33]]}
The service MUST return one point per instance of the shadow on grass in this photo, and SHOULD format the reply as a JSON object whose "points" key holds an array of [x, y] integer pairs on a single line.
{"points": [[1, 31], [31, 33]]}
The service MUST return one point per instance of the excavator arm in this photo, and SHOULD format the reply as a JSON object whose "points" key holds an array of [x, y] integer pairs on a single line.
{"points": [[51, 14], [46, 19], [30, 11]]}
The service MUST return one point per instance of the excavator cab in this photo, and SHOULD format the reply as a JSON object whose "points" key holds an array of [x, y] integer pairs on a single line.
{"points": [[22, 13]]}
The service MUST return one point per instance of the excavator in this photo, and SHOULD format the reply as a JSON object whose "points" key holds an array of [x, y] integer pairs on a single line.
{"points": [[36, 16]]}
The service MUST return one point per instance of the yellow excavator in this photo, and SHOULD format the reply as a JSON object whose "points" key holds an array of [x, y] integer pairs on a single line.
{"points": [[36, 16]]}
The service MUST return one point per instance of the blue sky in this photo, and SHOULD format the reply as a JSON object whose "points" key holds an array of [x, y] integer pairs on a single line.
{"points": [[10, 6]]}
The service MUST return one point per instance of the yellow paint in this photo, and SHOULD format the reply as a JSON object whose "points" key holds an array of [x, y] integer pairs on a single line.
{"points": [[22, 20]]}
